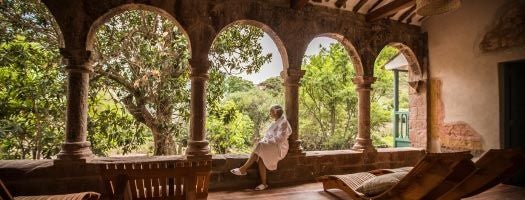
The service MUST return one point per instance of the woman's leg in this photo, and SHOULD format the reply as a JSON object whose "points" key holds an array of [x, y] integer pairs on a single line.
{"points": [[248, 163], [262, 171]]}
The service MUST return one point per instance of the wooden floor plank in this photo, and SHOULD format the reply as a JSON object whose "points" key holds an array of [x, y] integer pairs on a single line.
{"points": [[315, 191]]}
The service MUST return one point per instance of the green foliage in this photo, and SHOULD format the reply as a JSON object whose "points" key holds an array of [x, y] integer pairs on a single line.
{"points": [[31, 100], [140, 90], [147, 72], [227, 130], [328, 100], [235, 84], [273, 85], [235, 50], [111, 127], [382, 98]]}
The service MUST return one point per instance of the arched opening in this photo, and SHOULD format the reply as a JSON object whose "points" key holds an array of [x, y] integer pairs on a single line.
{"points": [[246, 63], [139, 95], [327, 97], [32, 92], [392, 101]]}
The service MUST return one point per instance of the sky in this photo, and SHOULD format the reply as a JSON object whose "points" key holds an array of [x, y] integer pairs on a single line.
{"points": [[275, 66]]}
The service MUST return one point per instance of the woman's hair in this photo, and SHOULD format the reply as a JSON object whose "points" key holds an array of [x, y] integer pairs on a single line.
{"points": [[278, 110]]}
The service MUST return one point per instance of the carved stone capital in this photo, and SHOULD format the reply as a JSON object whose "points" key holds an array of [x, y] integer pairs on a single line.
{"points": [[199, 69], [364, 82], [78, 60], [292, 77]]}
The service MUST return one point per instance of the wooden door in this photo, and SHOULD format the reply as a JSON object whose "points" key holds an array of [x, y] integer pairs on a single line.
{"points": [[512, 79]]}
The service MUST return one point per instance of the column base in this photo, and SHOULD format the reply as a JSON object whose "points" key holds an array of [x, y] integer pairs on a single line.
{"points": [[364, 145], [75, 151], [198, 148], [295, 149]]}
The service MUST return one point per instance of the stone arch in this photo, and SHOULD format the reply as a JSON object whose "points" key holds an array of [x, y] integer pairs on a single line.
{"points": [[418, 124], [415, 70], [350, 49], [268, 30], [56, 26], [128, 7]]}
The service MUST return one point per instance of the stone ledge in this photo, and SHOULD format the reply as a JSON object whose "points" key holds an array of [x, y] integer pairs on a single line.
{"points": [[307, 168], [32, 177]]}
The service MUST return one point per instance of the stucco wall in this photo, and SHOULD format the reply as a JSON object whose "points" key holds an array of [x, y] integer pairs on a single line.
{"points": [[469, 77]]}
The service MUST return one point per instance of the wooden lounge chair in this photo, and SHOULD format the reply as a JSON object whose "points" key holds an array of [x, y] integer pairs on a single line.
{"points": [[181, 179], [494, 166], [6, 195], [423, 179]]}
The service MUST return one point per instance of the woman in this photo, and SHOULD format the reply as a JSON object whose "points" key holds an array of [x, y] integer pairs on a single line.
{"points": [[271, 149]]}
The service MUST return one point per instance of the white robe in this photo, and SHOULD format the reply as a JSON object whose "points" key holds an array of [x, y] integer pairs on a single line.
{"points": [[274, 146]]}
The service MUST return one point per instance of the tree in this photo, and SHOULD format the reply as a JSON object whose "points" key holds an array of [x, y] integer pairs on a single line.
{"points": [[273, 85], [228, 130], [31, 100], [328, 100], [147, 70], [256, 105], [235, 84], [382, 98], [39, 50]]}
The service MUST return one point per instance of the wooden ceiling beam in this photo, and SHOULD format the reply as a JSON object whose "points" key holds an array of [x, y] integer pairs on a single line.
{"points": [[411, 17], [388, 9], [407, 13], [340, 3], [298, 4], [359, 5], [374, 6]]}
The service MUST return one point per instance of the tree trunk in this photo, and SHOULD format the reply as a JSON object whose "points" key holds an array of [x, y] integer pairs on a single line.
{"points": [[164, 143], [333, 121]]}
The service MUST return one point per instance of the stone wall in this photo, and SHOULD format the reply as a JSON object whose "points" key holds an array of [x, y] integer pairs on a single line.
{"points": [[314, 164], [37, 177], [418, 116]]}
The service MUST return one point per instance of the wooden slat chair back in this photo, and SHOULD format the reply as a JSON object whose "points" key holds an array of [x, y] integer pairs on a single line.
{"points": [[157, 180], [427, 175], [6, 195], [493, 167]]}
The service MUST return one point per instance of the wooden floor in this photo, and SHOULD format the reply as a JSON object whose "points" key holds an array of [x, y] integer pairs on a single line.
{"points": [[314, 191]]}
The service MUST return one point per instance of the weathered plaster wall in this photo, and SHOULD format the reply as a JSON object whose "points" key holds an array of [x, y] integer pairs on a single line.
{"points": [[469, 77]]}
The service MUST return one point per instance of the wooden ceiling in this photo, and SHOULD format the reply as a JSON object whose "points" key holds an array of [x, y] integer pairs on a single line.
{"points": [[399, 10]]}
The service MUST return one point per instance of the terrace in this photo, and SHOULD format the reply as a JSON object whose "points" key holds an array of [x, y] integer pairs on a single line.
{"points": [[444, 71]]}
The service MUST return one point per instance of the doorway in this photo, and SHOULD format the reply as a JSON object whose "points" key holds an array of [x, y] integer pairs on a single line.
{"points": [[512, 100]]}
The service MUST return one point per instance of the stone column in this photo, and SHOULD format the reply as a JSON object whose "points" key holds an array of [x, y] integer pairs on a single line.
{"points": [[292, 81], [78, 70], [363, 140], [197, 144]]}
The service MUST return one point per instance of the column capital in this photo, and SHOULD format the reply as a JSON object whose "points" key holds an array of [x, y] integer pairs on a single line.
{"points": [[78, 60], [292, 76], [199, 69], [364, 82]]}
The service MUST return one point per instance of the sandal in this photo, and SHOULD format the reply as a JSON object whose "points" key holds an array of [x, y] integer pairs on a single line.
{"points": [[261, 187], [238, 172]]}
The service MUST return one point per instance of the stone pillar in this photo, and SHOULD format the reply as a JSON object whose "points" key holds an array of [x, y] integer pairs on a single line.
{"points": [[197, 144], [363, 140], [78, 69], [292, 81]]}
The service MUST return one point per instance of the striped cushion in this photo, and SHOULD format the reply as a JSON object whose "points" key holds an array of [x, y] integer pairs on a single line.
{"points": [[75, 196], [379, 184], [354, 180]]}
